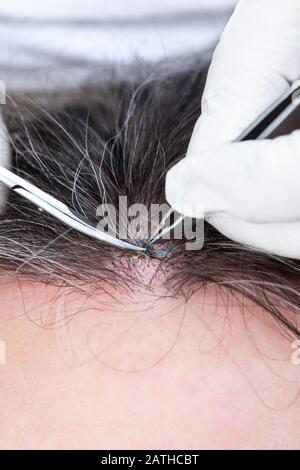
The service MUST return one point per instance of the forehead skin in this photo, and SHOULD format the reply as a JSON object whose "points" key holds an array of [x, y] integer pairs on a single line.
{"points": [[111, 371]]}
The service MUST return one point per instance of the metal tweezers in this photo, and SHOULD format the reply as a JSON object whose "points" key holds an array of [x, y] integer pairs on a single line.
{"points": [[281, 118]]}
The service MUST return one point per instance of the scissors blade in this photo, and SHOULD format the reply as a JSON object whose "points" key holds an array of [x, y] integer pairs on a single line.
{"points": [[60, 210]]}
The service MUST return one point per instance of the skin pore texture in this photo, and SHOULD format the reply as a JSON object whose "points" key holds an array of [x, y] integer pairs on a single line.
{"points": [[105, 350]]}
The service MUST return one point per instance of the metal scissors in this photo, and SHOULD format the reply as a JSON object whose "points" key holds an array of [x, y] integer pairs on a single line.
{"points": [[281, 118], [59, 210]]}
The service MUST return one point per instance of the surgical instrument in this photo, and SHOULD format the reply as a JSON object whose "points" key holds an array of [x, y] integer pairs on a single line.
{"points": [[281, 118], [60, 210]]}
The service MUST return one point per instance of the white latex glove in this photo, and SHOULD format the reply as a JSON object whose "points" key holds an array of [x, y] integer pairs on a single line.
{"points": [[4, 158], [250, 190]]}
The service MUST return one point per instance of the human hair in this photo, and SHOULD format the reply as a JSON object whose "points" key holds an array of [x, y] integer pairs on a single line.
{"points": [[120, 137]]}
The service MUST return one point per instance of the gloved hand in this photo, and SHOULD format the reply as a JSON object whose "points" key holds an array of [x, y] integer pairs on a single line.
{"points": [[4, 156], [250, 191]]}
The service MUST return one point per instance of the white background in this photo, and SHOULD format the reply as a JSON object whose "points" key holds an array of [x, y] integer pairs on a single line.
{"points": [[40, 39]]}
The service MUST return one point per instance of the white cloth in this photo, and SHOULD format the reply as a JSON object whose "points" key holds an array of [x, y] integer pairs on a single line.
{"points": [[52, 43]]}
